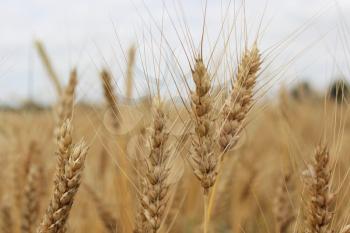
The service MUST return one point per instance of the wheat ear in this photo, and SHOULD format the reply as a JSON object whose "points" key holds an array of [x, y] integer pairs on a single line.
{"points": [[47, 63], [284, 213], [319, 208], [240, 101], [22, 171], [111, 98], [31, 201], [203, 159], [64, 108], [107, 218], [70, 164], [155, 184], [7, 224]]}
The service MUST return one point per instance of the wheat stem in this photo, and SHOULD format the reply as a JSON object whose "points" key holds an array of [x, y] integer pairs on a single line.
{"points": [[129, 72], [206, 213]]}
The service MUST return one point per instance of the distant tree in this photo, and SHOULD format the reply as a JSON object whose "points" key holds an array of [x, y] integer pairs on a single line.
{"points": [[302, 90], [339, 90]]}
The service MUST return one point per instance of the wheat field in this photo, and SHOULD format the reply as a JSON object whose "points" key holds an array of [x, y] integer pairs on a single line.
{"points": [[223, 157]]}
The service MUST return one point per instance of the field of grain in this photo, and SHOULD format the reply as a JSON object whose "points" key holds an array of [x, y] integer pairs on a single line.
{"points": [[221, 157]]}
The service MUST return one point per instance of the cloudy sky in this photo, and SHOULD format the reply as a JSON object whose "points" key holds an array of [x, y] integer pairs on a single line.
{"points": [[90, 34]]}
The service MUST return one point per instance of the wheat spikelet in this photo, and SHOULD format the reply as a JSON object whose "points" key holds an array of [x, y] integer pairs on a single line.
{"points": [[31, 202], [64, 109], [22, 169], [141, 223], [129, 72], [109, 221], [319, 209], [240, 101], [70, 164], [203, 159], [46, 61], [155, 184], [284, 213], [7, 224], [111, 98], [65, 106]]}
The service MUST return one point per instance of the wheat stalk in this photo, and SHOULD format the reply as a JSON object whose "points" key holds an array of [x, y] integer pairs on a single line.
{"points": [[129, 72]]}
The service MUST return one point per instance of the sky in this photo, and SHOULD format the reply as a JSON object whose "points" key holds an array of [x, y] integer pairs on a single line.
{"points": [[91, 34]]}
